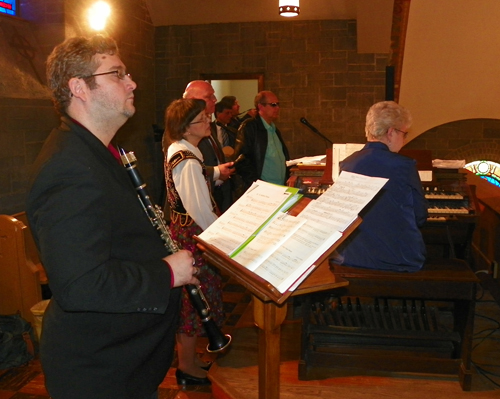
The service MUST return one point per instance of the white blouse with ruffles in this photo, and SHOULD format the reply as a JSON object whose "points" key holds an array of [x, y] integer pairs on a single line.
{"points": [[191, 185]]}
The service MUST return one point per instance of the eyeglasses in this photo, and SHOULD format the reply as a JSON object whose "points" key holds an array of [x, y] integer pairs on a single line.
{"points": [[274, 105], [204, 119], [119, 74], [405, 134]]}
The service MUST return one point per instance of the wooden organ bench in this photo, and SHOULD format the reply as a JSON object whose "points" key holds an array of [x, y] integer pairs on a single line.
{"points": [[418, 322]]}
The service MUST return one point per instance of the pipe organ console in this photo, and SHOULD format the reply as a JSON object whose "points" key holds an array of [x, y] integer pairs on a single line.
{"points": [[388, 321]]}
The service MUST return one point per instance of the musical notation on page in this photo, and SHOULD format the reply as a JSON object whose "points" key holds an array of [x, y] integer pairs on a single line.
{"points": [[280, 248]]}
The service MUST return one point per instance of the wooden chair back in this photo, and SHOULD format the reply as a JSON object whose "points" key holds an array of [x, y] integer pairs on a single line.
{"points": [[20, 269]]}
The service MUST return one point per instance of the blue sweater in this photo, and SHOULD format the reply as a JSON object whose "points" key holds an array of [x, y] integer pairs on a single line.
{"points": [[388, 237]]}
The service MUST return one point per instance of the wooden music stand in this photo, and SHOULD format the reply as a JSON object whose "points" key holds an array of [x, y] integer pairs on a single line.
{"points": [[270, 308]]}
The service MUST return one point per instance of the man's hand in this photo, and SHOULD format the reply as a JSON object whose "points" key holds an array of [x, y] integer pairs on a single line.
{"points": [[226, 170], [182, 265], [252, 112]]}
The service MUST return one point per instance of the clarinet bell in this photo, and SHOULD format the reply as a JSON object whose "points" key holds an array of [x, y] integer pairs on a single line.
{"points": [[221, 345], [217, 342]]}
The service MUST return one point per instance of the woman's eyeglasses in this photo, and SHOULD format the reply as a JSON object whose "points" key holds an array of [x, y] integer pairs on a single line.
{"points": [[204, 119], [405, 134]]}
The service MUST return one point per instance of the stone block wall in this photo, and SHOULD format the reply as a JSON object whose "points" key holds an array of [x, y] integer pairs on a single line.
{"points": [[25, 101], [312, 66], [315, 70], [26, 108], [471, 140]]}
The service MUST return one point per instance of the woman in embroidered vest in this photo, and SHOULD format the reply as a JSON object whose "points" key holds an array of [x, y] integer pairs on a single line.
{"points": [[192, 211]]}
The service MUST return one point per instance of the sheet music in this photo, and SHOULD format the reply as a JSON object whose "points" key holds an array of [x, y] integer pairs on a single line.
{"points": [[315, 160], [268, 240], [284, 266], [302, 278], [448, 163], [343, 201], [287, 247], [245, 216], [327, 217], [341, 152]]}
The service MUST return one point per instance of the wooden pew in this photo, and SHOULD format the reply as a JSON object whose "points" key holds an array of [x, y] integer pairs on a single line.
{"points": [[22, 274], [448, 282]]}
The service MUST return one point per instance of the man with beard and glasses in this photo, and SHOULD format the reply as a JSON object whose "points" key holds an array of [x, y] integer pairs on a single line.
{"points": [[109, 329]]}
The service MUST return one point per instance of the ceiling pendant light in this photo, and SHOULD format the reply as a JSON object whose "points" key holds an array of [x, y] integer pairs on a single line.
{"points": [[289, 8]]}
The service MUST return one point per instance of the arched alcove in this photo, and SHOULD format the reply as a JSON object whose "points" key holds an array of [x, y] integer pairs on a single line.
{"points": [[450, 67], [469, 139]]}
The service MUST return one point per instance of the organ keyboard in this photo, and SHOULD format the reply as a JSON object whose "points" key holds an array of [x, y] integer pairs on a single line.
{"points": [[443, 195], [453, 214], [307, 179], [449, 195]]}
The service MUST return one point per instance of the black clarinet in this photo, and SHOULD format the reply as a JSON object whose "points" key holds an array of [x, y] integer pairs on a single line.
{"points": [[216, 340]]}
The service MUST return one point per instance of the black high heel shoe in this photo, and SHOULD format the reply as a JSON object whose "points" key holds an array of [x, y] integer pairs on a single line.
{"points": [[187, 379]]}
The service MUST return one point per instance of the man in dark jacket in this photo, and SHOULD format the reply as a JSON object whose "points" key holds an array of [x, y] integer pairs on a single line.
{"points": [[109, 329], [264, 149]]}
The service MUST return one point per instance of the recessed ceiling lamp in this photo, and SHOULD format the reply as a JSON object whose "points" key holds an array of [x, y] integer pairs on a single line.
{"points": [[289, 8]]}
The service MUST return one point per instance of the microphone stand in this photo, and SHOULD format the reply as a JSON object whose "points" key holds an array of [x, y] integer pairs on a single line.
{"points": [[305, 122], [327, 178]]}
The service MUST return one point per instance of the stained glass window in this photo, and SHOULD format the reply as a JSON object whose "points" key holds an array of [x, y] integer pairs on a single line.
{"points": [[488, 170], [8, 7]]}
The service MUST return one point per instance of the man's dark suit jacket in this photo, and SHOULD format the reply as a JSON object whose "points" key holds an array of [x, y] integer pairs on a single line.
{"points": [[222, 193], [109, 329], [230, 131], [254, 150]]}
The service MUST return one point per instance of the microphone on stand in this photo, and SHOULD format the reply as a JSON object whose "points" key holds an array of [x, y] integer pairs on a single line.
{"points": [[327, 174], [305, 122]]}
